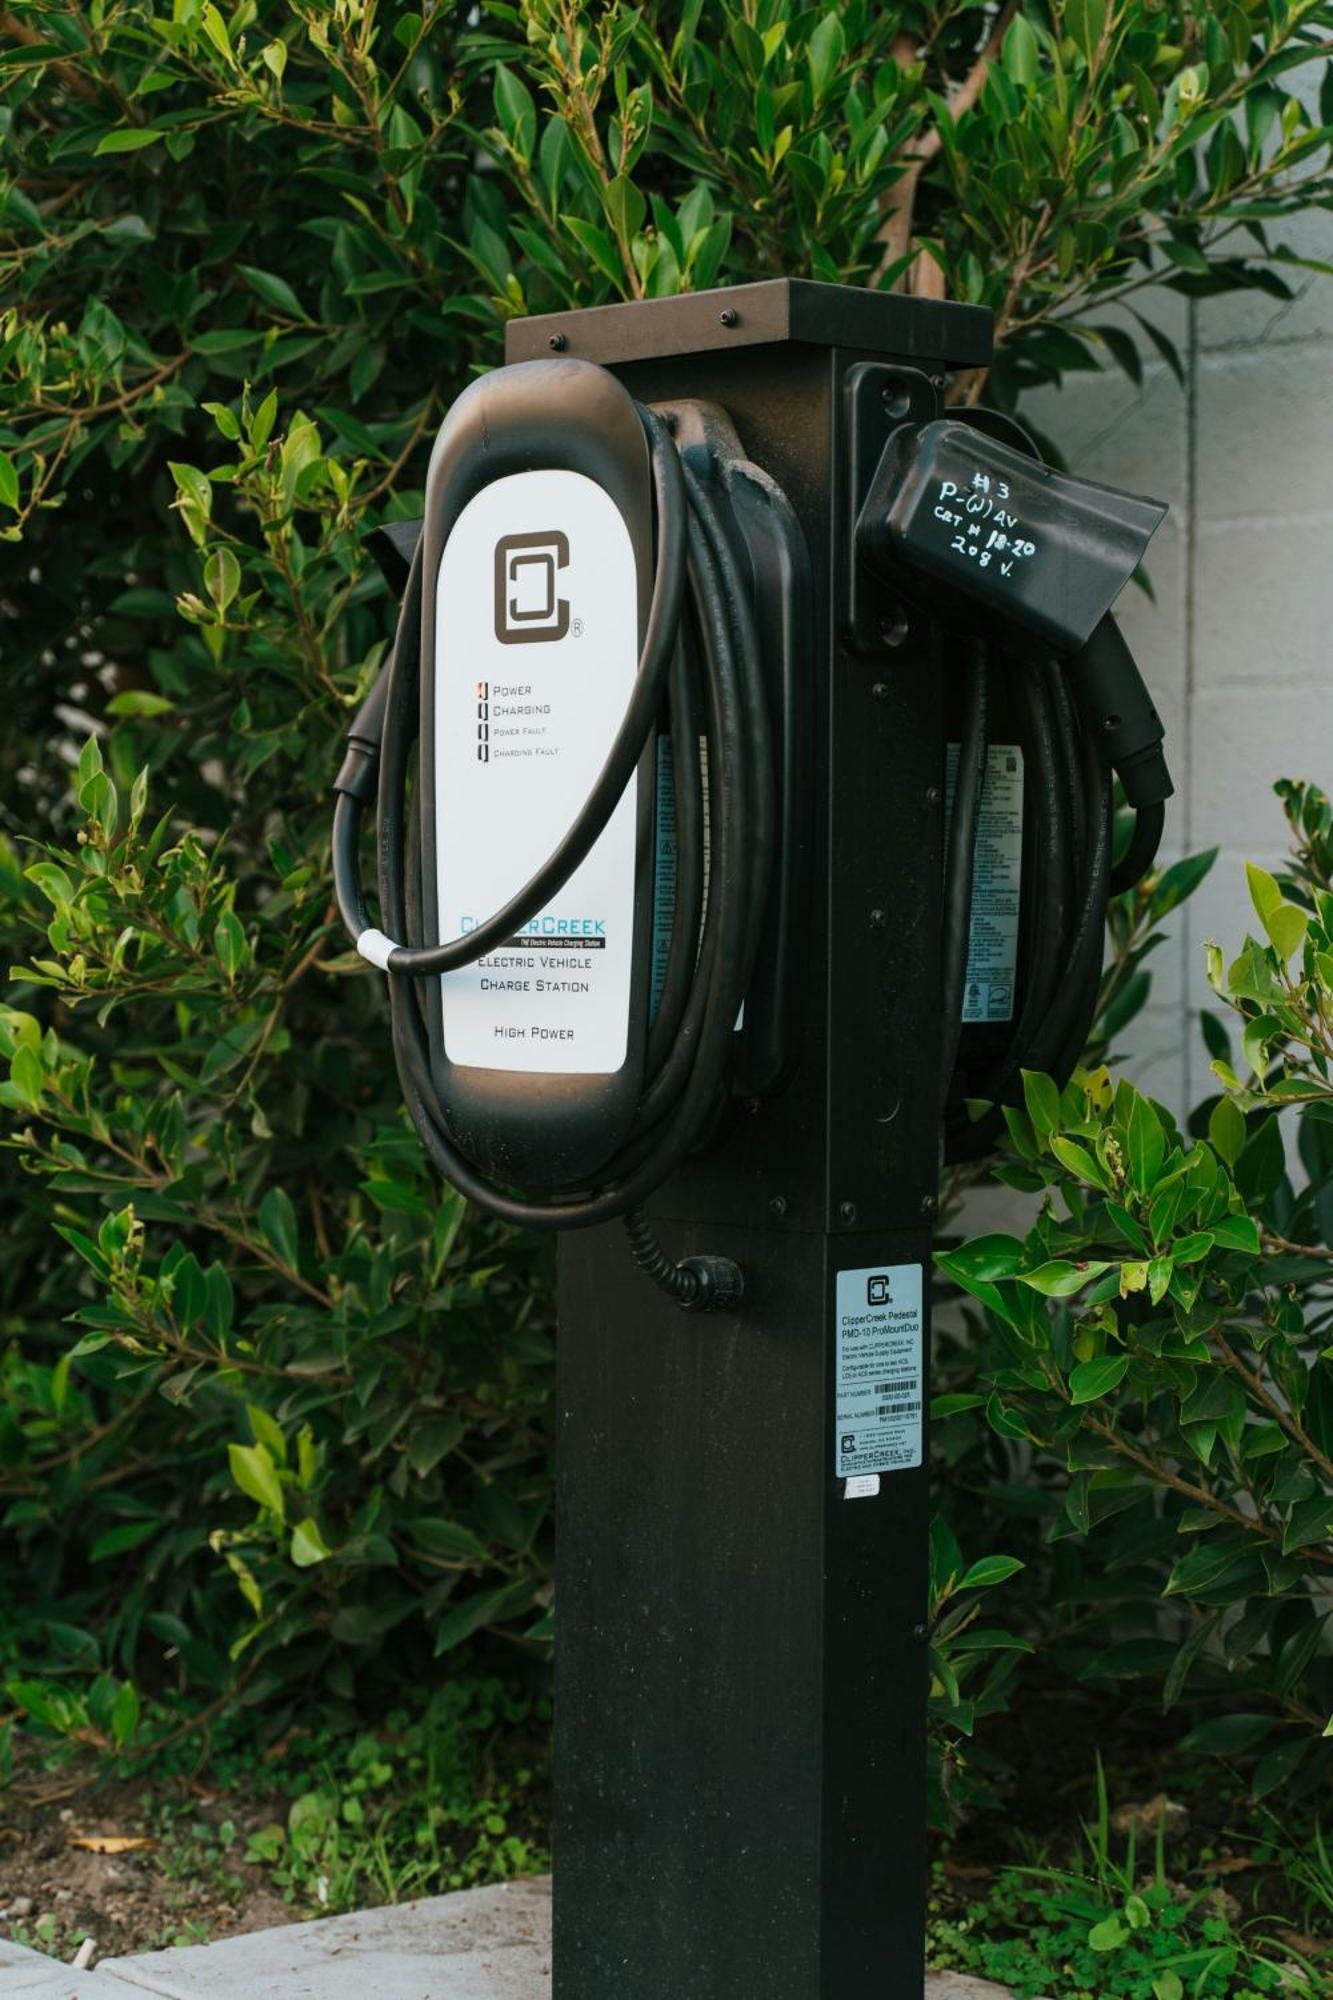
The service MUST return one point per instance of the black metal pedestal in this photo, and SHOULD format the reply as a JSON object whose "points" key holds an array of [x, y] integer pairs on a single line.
{"points": [[740, 1653]]}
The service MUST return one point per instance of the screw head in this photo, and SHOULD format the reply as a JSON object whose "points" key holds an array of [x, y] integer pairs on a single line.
{"points": [[929, 1204], [893, 629], [778, 1204], [729, 316], [878, 919], [880, 690], [846, 1211], [557, 343], [932, 795]]}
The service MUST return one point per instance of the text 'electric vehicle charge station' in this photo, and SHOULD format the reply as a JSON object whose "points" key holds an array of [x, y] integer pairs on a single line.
{"points": [[743, 768]]}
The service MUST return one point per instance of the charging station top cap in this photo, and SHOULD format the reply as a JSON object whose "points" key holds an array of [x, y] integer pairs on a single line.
{"points": [[1035, 547], [772, 311]]}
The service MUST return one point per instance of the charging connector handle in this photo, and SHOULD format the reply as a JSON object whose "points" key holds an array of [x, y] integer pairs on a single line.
{"points": [[1106, 683]]}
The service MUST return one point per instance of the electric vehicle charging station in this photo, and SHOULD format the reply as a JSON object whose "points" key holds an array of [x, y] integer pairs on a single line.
{"points": [[743, 771]]}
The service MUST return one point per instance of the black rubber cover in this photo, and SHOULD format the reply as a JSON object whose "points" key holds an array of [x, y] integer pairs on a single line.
{"points": [[1041, 551], [541, 1130]]}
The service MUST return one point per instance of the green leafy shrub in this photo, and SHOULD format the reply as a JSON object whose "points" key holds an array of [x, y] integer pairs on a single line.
{"points": [[308, 1403], [1116, 1928], [272, 1409], [1157, 1346]]}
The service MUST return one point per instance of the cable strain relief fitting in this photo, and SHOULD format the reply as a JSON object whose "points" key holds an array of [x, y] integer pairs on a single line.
{"points": [[1145, 777], [359, 773], [720, 1284]]}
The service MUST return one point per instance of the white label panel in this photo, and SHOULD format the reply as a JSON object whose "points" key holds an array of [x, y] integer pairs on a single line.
{"points": [[536, 651], [997, 875], [877, 1427]]}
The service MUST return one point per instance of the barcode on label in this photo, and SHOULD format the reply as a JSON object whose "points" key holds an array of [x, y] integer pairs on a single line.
{"points": [[895, 1388], [896, 1409]]}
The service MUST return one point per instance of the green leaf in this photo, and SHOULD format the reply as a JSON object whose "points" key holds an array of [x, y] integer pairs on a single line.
{"points": [[1042, 1098], [1060, 1279], [1145, 1143], [261, 423], [488, 1607], [1094, 1379], [449, 1539], [1086, 21], [277, 1220], [1264, 892], [1078, 1161], [132, 139], [1021, 50], [1215, 1569], [1226, 1130], [308, 1546], [988, 1571], [222, 577], [1286, 927], [125, 1714], [1108, 1935], [1262, 1162], [825, 51], [1310, 1525], [216, 29], [1237, 1232], [984, 1258], [9, 483], [28, 1077], [229, 942], [255, 1473], [1180, 880], [1228, 1735], [274, 291], [116, 1541], [625, 207], [139, 701], [225, 339], [268, 1432], [595, 243], [517, 113], [433, 1440]]}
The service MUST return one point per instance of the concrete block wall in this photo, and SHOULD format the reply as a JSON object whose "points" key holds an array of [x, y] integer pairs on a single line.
{"points": [[1237, 644]]}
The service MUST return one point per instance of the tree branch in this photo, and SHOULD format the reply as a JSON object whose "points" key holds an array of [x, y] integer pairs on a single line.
{"points": [[895, 232]]}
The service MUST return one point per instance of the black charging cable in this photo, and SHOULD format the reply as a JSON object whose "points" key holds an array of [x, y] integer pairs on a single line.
{"points": [[1068, 882], [700, 679]]}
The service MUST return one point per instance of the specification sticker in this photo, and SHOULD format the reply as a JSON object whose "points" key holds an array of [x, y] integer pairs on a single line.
{"points": [[880, 1370], [997, 872]]}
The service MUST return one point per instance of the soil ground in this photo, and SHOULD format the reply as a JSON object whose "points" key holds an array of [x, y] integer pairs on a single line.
{"points": [[175, 1889]]}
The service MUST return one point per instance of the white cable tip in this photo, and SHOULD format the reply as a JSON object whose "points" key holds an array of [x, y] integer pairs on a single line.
{"points": [[374, 946]]}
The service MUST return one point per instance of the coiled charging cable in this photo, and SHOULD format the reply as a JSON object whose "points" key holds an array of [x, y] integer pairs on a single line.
{"points": [[700, 678], [1069, 880]]}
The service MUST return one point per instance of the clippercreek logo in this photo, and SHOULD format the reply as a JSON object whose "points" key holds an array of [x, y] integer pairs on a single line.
{"points": [[528, 608]]}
